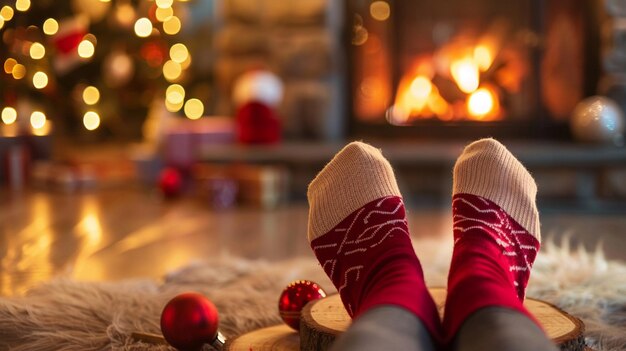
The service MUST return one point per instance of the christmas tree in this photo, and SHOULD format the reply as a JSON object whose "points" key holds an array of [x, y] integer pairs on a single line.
{"points": [[93, 68]]}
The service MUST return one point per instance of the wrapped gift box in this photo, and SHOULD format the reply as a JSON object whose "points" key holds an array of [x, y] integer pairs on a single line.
{"points": [[185, 138]]}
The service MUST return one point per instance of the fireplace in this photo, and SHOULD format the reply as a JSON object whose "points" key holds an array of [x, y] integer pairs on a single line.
{"points": [[469, 68]]}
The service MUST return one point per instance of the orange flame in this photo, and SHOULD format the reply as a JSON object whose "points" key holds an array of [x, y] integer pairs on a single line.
{"points": [[483, 105], [483, 56], [465, 74], [418, 97]]}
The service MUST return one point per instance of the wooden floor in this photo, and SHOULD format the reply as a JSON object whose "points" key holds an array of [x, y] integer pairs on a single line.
{"points": [[123, 233]]}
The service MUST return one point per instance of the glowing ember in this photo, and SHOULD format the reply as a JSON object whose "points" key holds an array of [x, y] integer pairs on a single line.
{"points": [[465, 74], [482, 105]]}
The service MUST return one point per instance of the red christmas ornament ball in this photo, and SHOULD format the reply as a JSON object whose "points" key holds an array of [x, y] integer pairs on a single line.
{"points": [[257, 123], [294, 297], [170, 182], [189, 321]]}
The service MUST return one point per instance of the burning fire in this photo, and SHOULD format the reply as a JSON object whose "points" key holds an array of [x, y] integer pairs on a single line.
{"points": [[457, 82]]}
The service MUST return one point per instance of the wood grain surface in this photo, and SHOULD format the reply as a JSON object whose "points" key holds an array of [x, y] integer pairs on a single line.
{"points": [[324, 320]]}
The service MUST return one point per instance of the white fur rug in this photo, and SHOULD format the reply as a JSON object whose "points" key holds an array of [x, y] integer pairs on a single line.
{"points": [[70, 315]]}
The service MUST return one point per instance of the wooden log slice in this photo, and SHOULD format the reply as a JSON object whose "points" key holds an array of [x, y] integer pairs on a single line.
{"points": [[277, 338], [323, 320]]}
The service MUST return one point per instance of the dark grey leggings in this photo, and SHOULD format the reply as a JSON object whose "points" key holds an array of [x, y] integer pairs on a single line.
{"points": [[492, 328]]}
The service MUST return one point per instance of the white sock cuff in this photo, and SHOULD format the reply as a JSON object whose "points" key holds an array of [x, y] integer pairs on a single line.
{"points": [[486, 168], [357, 175]]}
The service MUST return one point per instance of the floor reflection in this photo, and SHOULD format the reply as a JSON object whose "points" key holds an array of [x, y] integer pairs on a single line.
{"points": [[27, 240], [118, 234]]}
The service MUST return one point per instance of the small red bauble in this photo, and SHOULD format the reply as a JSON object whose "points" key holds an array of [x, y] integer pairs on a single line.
{"points": [[294, 297], [189, 321], [170, 182]]}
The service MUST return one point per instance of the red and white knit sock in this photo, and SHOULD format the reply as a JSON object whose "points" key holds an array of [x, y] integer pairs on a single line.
{"points": [[496, 233], [358, 231]]}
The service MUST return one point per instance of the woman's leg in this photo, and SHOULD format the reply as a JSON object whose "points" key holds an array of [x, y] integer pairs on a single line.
{"points": [[497, 328], [358, 232], [496, 240], [385, 328]]}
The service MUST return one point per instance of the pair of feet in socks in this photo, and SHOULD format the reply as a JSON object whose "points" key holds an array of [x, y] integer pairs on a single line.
{"points": [[358, 231]]}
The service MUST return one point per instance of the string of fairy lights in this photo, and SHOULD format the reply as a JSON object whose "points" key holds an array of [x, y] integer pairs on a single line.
{"points": [[21, 67]]}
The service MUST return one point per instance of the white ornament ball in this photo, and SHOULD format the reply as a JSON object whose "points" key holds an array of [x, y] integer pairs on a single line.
{"points": [[598, 119], [260, 86]]}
